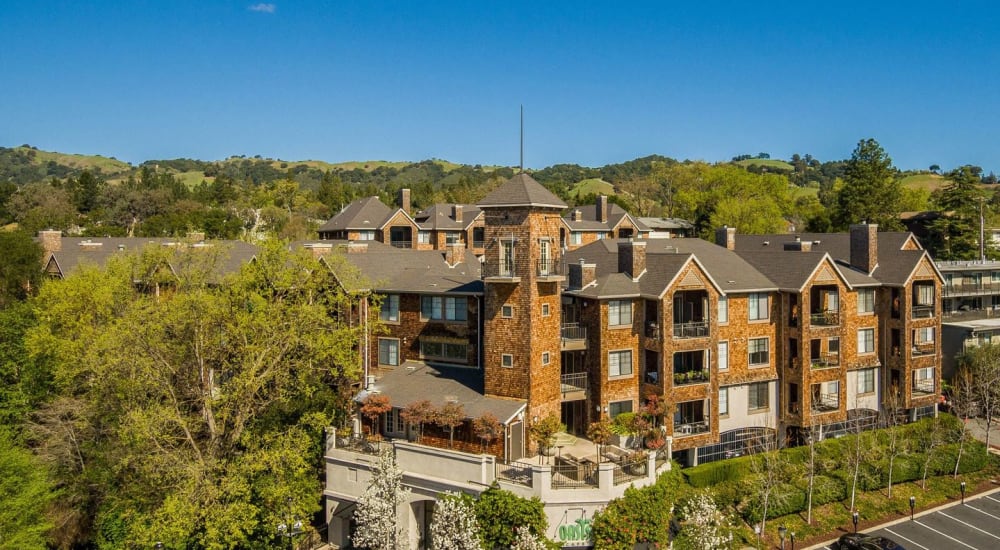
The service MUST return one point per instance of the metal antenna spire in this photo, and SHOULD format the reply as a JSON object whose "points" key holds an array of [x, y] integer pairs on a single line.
{"points": [[522, 139]]}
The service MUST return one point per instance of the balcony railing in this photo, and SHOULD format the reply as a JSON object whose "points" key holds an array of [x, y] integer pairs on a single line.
{"points": [[923, 386], [825, 361], [921, 350], [478, 244], [922, 312], [964, 289], [573, 382], [503, 269], [696, 329], [574, 336], [547, 268], [515, 472], [402, 244], [825, 319], [693, 427], [691, 377], [653, 331], [827, 402]]}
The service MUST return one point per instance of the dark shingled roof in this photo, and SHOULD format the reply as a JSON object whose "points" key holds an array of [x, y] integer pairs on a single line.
{"points": [[415, 380], [389, 269], [895, 265], [521, 190], [441, 216], [666, 223], [367, 213], [588, 215]]}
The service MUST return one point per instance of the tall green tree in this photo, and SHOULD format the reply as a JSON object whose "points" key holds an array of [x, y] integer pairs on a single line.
{"points": [[21, 268], [25, 495], [871, 191], [955, 235], [189, 408]]}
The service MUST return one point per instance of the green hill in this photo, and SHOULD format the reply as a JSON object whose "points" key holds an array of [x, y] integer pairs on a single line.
{"points": [[768, 163], [592, 186], [927, 181]]}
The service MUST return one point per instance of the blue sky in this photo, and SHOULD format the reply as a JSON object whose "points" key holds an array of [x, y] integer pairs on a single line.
{"points": [[600, 82]]}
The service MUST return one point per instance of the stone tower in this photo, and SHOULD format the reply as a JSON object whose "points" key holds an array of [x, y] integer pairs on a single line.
{"points": [[522, 275]]}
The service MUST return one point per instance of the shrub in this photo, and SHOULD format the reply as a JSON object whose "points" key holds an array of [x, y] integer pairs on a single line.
{"points": [[786, 499], [827, 489], [720, 471]]}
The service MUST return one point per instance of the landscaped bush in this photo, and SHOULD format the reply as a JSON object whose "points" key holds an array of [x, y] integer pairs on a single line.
{"points": [[826, 489], [786, 499], [707, 475]]}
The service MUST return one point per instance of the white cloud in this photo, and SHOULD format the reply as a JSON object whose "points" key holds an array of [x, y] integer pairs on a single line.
{"points": [[262, 8]]}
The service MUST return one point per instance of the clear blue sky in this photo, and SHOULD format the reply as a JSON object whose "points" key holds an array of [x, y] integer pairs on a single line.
{"points": [[600, 82]]}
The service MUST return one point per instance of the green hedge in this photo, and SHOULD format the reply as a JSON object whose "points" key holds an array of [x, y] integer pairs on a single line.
{"points": [[713, 473], [826, 489], [784, 500]]}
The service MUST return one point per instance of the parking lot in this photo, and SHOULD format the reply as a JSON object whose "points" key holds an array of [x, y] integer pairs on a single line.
{"points": [[974, 525]]}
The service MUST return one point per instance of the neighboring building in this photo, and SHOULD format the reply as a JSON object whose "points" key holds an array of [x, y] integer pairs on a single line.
{"points": [[753, 339], [605, 220], [668, 228], [960, 335], [444, 224]]}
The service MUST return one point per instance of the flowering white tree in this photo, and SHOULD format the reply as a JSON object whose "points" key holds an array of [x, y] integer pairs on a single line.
{"points": [[526, 540], [454, 526], [705, 526], [376, 509]]}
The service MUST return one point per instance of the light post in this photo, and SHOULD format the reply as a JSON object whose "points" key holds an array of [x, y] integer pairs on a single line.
{"points": [[792, 535], [158, 545], [781, 535], [756, 530], [913, 502], [288, 529], [854, 518], [962, 485]]}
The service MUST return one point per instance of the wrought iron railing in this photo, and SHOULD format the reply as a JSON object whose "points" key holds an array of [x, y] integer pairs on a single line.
{"points": [[630, 468], [653, 331], [825, 361], [515, 472], [691, 428], [696, 329], [691, 377], [922, 312], [825, 319], [547, 267], [923, 386], [573, 331], [569, 473], [923, 349], [827, 402], [573, 382], [401, 244]]}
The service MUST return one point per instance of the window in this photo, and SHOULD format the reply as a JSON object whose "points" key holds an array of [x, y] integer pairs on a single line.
{"points": [[507, 360], [453, 352], [723, 355], [833, 346], [866, 381], [617, 407], [366, 235], [390, 308], [546, 358], [994, 277], [437, 308], [866, 340], [575, 237], [507, 311], [620, 363], [388, 351], [925, 335], [619, 312], [723, 401], [925, 295], [759, 396], [831, 300], [866, 300], [424, 237], [758, 348], [545, 310], [452, 237], [601, 236], [723, 309], [394, 421], [758, 306]]}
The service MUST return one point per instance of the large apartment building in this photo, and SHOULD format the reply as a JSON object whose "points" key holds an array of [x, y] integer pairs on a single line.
{"points": [[750, 338]]}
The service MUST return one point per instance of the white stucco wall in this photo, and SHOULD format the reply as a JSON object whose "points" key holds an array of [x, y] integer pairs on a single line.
{"points": [[739, 414]]}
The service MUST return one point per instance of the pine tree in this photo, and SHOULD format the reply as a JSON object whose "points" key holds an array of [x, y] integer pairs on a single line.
{"points": [[454, 526], [376, 511]]}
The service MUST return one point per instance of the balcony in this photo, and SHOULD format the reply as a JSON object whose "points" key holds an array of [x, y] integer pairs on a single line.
{"points": [[825, 361], [653, 331], [696, 329], [825, 319], [691, 377], [401, 244], [478, 244], [826, 402], [549, 271], [694, 427], [502, 271], [969, 289], [923, 387], [923, 349], [573, 386], [922, 312], [573, 337]]}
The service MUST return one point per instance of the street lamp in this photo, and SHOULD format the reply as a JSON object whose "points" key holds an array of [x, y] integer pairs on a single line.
{"points": [[913, 502], [854, 518], [289, 529], [781, 535], [792, 535], [962, 485]]}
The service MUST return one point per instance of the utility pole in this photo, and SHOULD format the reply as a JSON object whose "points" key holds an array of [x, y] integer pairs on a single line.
{"points": [[982, 231]]}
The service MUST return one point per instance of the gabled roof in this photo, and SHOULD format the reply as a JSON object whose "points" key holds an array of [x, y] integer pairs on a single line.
{"points": [[441, 217], [791, 270], [415, 380], [388, 269], [522, 190], [730, 271], [589, 222], [655, 224], [363, 214]]}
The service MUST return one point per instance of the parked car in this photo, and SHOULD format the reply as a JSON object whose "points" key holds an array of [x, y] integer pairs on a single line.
{"points": [[861, 541]]}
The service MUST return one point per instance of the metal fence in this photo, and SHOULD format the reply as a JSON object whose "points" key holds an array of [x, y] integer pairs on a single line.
{"points": [[569, 473], [515, 472], [630, 468]]}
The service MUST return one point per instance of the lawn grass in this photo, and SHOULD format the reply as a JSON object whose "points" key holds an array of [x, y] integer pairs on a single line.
{"points": [[595, 186], [875, 508], [769, 163]]}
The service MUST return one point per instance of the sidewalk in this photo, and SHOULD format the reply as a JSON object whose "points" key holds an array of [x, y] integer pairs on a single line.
{"points": [[977, 427]]}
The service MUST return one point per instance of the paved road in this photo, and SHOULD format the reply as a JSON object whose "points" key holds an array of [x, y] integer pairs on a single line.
{"points": [[974, 525]]}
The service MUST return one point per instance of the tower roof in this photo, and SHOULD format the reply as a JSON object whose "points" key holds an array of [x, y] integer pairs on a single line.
{"points": [[522, 190]]}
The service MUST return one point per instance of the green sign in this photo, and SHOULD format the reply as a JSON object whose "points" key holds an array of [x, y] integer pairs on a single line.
{"points": [[575, 532]]}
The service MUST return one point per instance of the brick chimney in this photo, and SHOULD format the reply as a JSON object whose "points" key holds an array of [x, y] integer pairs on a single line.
{"points": [[577, 215], [454, 253], [356, 248], [632, 258], [602, 208], [581, 274], [404, 200], [864, 246], [319, 249], [799, 245], [456, 212], [51, 240], [726, 236]]}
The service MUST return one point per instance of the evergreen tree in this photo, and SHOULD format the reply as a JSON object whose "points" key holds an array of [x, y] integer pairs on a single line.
{"points": [[871, 190], [955, 235]]}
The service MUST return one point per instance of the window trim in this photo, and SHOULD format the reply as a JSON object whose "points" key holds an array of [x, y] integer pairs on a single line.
{"points": [[443, 357], [723, 318], [619, 304], [767, 351], [546, 358], [860, 332], [611, 406], [754, 298], [507, 360], [858, 389], [507, 311], [546, 310], [387, 300], [869, 292], [398, 351], [720, 355], [631, 364], [767, 394], [444, 308], [723, 391]]}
